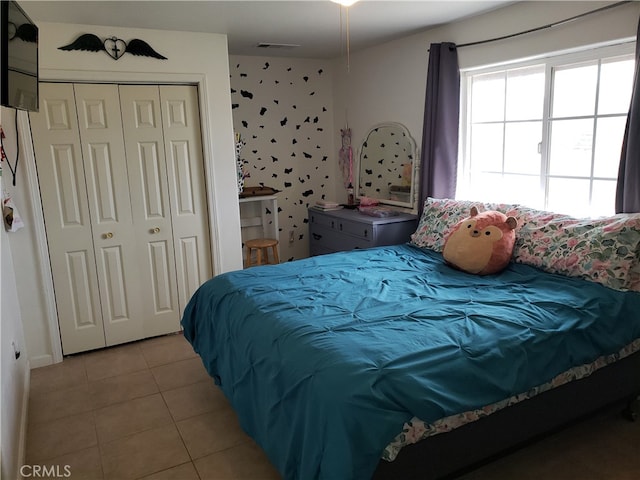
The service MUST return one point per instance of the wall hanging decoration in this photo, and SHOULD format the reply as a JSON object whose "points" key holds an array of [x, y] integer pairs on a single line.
{"points": [[12, 220], [113, 46], [242, 173], [345, 160], [26, 32]]}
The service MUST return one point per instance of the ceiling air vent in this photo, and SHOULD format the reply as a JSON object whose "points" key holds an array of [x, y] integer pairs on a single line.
{"points": [[277, 45]]}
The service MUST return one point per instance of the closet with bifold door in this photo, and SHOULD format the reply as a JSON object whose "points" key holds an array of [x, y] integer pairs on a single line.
{"points": [[122, 185]]}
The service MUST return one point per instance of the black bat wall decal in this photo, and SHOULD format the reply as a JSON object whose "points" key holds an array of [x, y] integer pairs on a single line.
{"points": [[113, 46]]}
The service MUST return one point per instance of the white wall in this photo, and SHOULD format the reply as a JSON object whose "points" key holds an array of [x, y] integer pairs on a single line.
{"points": [[194, 58], [14, 373], [387, 83]]}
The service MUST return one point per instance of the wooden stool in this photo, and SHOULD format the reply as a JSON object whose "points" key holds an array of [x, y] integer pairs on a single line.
{"points": [[261, 245]]}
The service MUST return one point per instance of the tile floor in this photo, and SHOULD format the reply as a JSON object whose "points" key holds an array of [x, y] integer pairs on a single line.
{"points": [[148, 410], [145, 410]]}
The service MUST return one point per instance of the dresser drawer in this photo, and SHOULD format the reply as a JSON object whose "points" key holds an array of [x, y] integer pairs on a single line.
{"points": [[362, 230], [358, 229], [323, 238], [315, 249], [323, 220]]}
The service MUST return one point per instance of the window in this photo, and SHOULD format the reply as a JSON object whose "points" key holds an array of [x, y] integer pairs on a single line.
{"points": [[547, 134]]}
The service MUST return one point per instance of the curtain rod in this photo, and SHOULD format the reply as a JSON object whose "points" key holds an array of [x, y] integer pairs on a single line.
{"points": [[550, 25]]}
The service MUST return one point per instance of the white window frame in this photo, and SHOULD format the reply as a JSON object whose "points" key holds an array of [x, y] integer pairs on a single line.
{"points": [[550, 61]]}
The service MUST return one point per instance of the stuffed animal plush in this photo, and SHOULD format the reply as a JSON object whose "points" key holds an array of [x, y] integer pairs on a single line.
{"points": [[481, 244]]}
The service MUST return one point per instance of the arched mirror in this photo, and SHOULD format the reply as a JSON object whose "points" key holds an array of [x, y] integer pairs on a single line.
{"points": [[388, 166]]}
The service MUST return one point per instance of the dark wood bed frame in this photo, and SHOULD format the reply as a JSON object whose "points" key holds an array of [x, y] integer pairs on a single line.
{"points": [[449, 454]]}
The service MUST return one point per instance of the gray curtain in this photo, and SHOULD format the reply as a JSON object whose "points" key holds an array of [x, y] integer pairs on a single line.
{"points": [[440, 128], [628, 191]]}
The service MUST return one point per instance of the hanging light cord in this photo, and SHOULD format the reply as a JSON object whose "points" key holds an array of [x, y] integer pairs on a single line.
{"points": [[344, 26], [348, 43]]}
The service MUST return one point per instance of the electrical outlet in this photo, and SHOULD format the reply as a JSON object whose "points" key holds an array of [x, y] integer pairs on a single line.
{"points": [[290, 236]]}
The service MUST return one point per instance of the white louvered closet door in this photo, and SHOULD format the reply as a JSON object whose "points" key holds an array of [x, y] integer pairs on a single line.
{"points": [[126, 222]]}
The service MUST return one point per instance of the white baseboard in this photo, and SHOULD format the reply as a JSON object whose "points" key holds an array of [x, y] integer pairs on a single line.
{"points": [[24, 418], [41, 361]]}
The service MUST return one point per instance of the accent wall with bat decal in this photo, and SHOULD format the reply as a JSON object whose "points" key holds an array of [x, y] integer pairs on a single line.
{"points": [[283, 109]]}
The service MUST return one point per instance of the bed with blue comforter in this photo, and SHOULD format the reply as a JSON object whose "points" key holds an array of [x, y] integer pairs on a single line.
{"points": [[326, 359]]}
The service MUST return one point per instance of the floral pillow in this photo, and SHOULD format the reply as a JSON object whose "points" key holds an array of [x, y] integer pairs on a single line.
{"points": [[603, 250]]}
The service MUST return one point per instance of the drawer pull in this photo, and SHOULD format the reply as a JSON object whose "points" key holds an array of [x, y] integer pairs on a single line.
{"points": [[366, 233], [341, 227], [316, 236]]}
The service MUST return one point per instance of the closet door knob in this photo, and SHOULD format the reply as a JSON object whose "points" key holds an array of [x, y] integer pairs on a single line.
{"points": [[108, 235], [155, 230]]}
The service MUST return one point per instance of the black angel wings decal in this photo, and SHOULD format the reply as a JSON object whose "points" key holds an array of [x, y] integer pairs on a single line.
{"points": [[114, 47], [26, 32]]}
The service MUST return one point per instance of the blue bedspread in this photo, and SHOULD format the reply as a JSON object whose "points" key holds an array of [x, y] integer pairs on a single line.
{"points": [[325, 358]]}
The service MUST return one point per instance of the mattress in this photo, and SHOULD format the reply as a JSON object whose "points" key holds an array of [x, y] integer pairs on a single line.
{"points": [[326, 359]]}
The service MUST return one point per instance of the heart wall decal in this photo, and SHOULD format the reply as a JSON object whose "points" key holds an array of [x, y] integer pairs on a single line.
{"points": [[113, 46]]}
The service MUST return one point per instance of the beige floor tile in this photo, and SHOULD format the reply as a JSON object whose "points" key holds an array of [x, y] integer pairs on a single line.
{"points": [[246, 461], [621, 457], [59, 437], [143, 453], [69, 373], [81, 465], [132, 416], [195, 399], [122, 388], [166, 349], [186, 471], [47, 406], [179, 374], [538, 467], [211, 432], [164, 339], [628, 432], [558, 456], [114, 361]]}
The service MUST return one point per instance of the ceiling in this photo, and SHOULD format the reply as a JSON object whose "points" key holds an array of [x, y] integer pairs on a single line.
{"points": [[313, 25]]}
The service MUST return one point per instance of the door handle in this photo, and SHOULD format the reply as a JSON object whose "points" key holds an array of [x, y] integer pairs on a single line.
{"points": [[155, 230], [108, 235]]}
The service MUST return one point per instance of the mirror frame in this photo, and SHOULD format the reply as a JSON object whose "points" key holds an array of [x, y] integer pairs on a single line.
{"points": [[412, 203]]}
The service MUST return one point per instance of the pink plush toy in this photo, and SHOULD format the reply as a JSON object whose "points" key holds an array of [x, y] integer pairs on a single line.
{"points": [[481, 244]]}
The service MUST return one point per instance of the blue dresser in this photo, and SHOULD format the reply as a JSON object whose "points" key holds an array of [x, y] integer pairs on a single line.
{"points": [[338, 230]]}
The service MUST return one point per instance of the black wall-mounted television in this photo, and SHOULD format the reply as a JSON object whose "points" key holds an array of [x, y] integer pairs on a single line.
{"points": [[18, 58]]}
